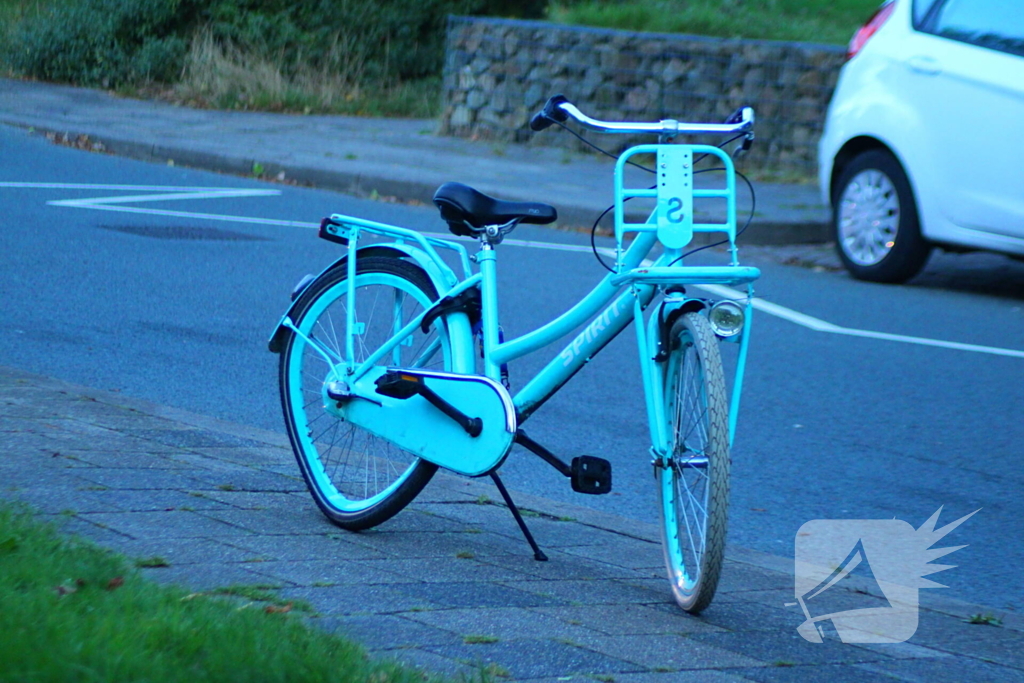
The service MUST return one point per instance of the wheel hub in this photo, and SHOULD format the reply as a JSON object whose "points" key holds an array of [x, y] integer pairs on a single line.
{"points": [[869, 217]]}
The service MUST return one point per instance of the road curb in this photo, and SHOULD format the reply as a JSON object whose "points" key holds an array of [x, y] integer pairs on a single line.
{"points": [[761, 232]]}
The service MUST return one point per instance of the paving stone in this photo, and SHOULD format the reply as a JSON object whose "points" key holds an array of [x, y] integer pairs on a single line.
{"points": [[622, 552], [504, 623], [626, 620], [322, 573], [180, 551], [740, 615], [600, 606], [814, 674], [138, 460], [192, 438], [254, 455], [476, 514], [442, 570], [245, 479], [562, 566], [667, 652], [330, 546], [206, 576], [904, 650], [418, 520], [75, 498], [788, 646], [702, 676], [740, 578], [536, 658], [359, 599], [944, 671], [565, 534], [387, 632], [263, 500], [78, 526], [173, 524], [129, 478], [298, 521], [430, 544], [594, 592], [1002, 646], [156, 499], [475, 595], [429, 662], [779, 597]]}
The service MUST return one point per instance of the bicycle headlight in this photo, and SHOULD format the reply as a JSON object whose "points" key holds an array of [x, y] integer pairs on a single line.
{"points": [[726, 318]]}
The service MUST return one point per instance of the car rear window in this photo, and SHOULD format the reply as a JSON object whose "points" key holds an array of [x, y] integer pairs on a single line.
{"points": [[994, 24]]}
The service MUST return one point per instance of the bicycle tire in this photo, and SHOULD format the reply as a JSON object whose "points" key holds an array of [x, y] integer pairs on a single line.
{"points": [[694, 487], [390, 477]]}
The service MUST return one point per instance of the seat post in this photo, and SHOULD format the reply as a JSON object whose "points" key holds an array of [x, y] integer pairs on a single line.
{"points": [[488, 260]]}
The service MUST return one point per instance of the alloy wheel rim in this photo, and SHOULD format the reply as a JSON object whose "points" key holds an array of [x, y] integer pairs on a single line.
{"points": [[869, 217]]}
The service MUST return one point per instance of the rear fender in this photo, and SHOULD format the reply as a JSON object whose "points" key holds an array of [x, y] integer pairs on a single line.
{"points": [[442, 277]]}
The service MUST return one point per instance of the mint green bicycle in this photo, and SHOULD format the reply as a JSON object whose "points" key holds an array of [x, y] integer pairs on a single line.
{"points": [[381, 382]]}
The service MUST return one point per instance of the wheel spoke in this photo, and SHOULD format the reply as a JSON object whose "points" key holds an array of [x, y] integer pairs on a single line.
{"points": [[350, 470], [698, 458]]}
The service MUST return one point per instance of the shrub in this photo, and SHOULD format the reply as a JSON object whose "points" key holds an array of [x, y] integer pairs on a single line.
{"points": [[121, 42], [103, 42]]}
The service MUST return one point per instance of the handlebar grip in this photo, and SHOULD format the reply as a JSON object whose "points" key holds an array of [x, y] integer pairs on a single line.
{"points": [[738, 115], [539, 122], [551, 113]]}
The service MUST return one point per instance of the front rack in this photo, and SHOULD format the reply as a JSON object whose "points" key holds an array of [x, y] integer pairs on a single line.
{"points": [[674, 194]]}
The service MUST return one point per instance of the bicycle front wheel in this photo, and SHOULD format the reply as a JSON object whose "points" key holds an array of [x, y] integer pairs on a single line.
{"points": [[358, 479], [694, 483]]}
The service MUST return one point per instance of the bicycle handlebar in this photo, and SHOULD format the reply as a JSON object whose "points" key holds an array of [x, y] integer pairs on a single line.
{"points": [[558, 108]]}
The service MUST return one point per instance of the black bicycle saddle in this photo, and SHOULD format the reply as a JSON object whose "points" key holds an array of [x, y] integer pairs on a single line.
{"points": [[461, 207]]}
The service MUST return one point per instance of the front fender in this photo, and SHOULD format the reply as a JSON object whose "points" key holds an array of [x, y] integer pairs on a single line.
{"points": [[442, 277]]}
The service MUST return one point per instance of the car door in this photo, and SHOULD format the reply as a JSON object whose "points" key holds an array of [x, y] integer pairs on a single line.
{"points": [[966, 64]]}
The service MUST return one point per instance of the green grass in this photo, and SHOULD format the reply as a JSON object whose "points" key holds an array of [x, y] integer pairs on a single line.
{"points": [[986, 619], [818, 21], [73, 611]]}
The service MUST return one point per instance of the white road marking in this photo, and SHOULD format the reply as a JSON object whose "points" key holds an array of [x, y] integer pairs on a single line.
{"points": [[163, 197], [131, 188], [818, 325], [162, 193]]}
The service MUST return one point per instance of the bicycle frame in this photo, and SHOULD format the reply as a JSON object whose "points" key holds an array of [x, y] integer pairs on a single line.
{"points": [[618, 299], [463, 418]]}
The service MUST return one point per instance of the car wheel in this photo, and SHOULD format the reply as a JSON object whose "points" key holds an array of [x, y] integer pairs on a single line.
{"points": [[874, 214]]}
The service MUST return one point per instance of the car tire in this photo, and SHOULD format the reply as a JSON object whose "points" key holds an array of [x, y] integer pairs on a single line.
{"points": [[875, 221]]}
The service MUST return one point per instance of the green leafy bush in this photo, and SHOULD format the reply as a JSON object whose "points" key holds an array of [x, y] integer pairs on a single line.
{"points": [[112, 43], [103, 42]]}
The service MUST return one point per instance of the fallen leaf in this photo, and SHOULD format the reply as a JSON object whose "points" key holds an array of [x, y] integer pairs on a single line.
{"points": [[64, 589], [115, 583], [278, 609]]}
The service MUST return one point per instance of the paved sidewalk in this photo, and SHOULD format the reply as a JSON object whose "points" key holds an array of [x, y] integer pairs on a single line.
{"points": [[448, 584], [392, 157]]}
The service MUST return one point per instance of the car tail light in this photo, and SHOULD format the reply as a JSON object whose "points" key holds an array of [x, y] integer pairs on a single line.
{"points": [[864, 33]]}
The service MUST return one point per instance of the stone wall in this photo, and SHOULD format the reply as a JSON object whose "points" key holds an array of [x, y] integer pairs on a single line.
{"points": [[499, 72]]}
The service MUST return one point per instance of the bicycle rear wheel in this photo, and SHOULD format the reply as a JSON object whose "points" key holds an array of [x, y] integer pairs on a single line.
{"points": [[694, 486], [357, 478]]}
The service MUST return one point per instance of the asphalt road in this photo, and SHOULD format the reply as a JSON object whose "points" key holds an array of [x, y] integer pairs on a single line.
{"points": [[177, 309]]}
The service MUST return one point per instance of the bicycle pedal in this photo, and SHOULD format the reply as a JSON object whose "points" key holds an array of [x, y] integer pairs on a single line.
{"points": [[591, 475], [398, 385]]}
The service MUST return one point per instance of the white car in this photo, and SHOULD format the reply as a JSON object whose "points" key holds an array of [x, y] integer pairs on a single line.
{"points": [[923, 143]]}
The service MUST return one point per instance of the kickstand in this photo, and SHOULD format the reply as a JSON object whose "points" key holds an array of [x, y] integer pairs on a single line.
{"points": [[538, 554]]}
